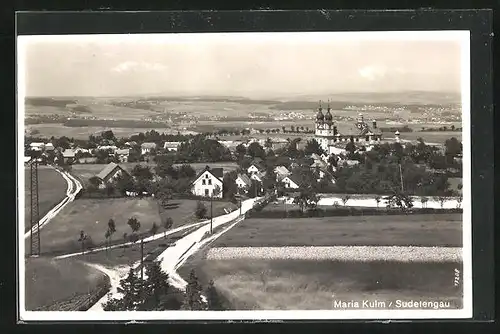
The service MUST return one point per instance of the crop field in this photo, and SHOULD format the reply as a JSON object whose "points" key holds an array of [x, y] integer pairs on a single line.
{"points": [[50, 282], [288, 284], [437, 137], [51, 190], [440, 230]]}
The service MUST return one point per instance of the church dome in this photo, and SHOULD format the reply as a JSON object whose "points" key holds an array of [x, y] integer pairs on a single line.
{"points": [[328, 116], [320, 116]]}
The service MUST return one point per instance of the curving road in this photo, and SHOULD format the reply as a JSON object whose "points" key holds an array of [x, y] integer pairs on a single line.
{"points": [[74, 187], [173, 257]]}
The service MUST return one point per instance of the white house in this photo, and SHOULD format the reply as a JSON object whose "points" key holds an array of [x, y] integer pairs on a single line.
{"points": [[291, 182], [147, 148], [205, 183], [243, 181], [37, 146], [171, 145], [49, 147], [257, 177], [281, 172], [254, 168]]}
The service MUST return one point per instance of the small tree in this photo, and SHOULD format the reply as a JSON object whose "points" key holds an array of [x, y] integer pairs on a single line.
{"points": [[157, 294], [441, 200], [193, 299], [424, 201], [345, 199], [82, 238], [201, 210], [134, 224], [130, 288], [378, 199], [153, 229], [167, 225], [111, 228], [107, 235], [214, 302]]}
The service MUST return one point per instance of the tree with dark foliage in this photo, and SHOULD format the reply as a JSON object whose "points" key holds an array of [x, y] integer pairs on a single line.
{"points": [[214, 302], [193, 299]]}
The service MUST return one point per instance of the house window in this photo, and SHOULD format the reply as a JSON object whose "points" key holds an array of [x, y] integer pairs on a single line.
{"points": [[206, 192], [209, 182], [203, 182]]}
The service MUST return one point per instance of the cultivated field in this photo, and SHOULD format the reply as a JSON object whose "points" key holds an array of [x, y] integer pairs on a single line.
{"points": [[302, 284], [51, 190], [443, 230], [66, 282]]}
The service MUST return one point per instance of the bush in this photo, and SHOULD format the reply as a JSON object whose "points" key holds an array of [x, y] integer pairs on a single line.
{"points": [[201, 210], [342, 212]]}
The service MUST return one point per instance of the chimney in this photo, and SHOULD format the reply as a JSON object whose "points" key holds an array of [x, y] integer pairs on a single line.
{"points": [[374, 123]]}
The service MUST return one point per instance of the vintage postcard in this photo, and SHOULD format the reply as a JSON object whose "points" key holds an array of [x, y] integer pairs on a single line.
{"points": [[227, 176]]}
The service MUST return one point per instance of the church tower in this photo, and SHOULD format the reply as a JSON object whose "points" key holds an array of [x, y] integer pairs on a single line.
{"points": [[320, 120]]}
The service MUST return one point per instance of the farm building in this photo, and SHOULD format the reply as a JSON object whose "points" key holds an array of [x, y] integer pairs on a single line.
{"points": [[256, 167], [281, 172], [110, 173], [171, 145], [147, 148], [68, 156], [206, 181], [291, 181], [242, 181]]}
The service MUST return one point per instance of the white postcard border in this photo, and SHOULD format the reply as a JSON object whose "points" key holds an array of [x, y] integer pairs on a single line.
{"points": [[465, 312]]}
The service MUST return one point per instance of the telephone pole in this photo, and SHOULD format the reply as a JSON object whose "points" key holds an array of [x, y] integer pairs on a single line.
{"points": [[401, 176], [34, 211], [142, 261]]}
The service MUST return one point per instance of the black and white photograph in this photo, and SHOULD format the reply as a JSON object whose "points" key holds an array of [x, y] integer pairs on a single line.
{"points": [[283, 175]]}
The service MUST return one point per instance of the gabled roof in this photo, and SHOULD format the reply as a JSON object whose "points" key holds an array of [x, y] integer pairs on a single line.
{"points": [[246, 180], [218, 173], [68, 153], [282, 170], [108, 169], [295, 178], [122, 151], [148, 145]]}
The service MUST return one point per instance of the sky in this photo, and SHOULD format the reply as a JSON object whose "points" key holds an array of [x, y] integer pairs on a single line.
{"points": [[250, 65]]}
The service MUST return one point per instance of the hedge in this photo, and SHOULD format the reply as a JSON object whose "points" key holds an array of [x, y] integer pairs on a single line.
{"points": [[342, 212]]}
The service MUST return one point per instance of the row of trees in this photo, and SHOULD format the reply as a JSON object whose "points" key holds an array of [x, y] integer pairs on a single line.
{"points": [[156, 294], [85, 239]]}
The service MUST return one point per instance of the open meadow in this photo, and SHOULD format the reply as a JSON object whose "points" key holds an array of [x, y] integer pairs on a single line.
{"points": [[308, 263], [443, 230], [51, 190], [59, 285], [92, 215], [285, 284]]}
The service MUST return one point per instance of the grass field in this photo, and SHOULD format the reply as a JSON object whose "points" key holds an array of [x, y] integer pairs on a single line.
{"points": [[50, 282], [92, 216], [51, 190], [298, 284], [405, 230]]}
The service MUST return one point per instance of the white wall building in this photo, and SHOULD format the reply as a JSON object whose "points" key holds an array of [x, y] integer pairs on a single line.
{"points": [[207, 181]]}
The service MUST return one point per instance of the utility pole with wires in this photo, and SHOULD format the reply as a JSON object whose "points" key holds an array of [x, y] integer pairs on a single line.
{"points": [[401, 177], [142, 261], [34, 213]]}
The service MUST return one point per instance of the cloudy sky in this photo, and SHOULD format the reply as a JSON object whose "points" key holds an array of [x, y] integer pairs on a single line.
{"points": [[252, 65]]}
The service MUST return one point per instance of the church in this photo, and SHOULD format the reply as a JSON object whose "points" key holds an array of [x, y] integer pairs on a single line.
{"points": [[327, 133]]}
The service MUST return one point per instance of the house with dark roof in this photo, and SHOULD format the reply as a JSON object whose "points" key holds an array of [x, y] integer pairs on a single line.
{"points": [[68, 155], [207, 181], [291, 181], [243, 181], [110, 173], [256, 167]]}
